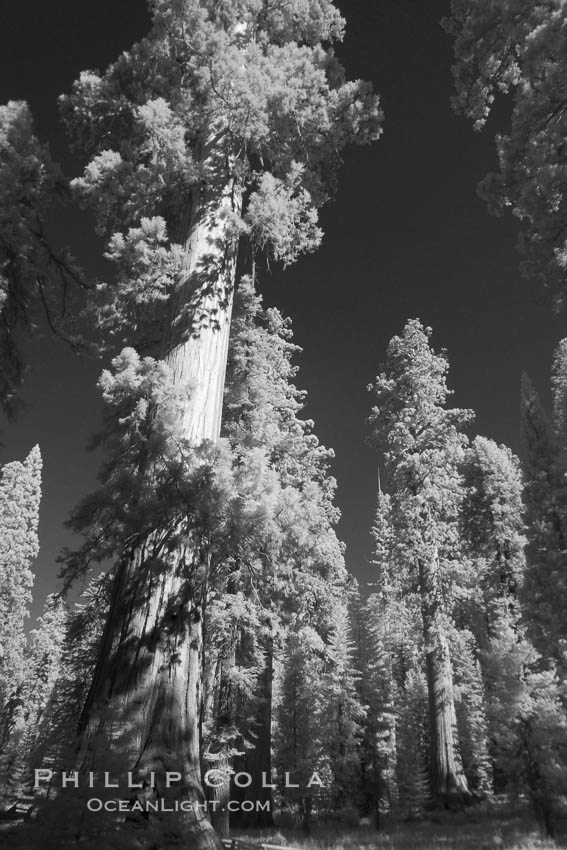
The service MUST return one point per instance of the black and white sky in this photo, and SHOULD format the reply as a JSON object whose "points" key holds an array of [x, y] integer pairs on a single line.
{"points": [[406, 236]]}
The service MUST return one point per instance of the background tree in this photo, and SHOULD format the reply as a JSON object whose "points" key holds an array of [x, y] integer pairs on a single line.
{"points": [[541, 726], [505, 695], [471, 710], [544, 597], [493, 518], [379, 697], [20, 494], [32, 271], [423, 446], [518, 49], [343, 713], [72, 640], [298, 571], [385, 624], [32, 719], [413, 772], [493, 525], [300, 744]]}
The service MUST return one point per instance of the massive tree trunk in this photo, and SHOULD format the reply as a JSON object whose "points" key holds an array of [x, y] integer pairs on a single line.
{"points": [[448, 781], [142, 713], [197, 333]]}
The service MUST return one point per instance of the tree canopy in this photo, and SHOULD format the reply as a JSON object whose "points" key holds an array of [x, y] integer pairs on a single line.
{"points": [[517, 49]]}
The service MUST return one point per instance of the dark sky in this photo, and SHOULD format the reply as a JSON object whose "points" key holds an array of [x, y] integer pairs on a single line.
{"points": [[406, 237]]}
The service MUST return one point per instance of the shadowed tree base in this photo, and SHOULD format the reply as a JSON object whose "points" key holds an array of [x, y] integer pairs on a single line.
{"points": [[140, 724]]}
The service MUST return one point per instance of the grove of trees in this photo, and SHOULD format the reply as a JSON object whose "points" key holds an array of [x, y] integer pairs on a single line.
{"points": [[220, 650]]}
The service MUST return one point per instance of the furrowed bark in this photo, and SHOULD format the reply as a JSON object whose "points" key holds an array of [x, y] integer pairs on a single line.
{"points": [[448, 781], [196, 340], [143, 710]]}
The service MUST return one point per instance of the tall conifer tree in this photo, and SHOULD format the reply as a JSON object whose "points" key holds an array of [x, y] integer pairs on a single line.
{"points": [[20, 494], [226, 120], [298, 571], [423, 446], [33, 717]]}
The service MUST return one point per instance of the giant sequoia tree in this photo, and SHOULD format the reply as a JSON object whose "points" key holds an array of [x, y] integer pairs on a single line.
{"points": [[226, 121], [423, 445]]}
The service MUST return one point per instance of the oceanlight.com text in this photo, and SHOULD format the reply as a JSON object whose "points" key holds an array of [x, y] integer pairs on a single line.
{"points": [[95, 804]]}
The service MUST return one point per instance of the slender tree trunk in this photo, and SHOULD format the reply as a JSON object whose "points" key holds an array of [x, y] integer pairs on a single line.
{"points": [[448, 781], [257, 761], [144, 703], [225, 732], [306, 809]]}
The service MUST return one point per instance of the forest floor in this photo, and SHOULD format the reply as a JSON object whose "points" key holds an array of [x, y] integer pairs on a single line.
{"points": [[470, 831], [474, 830]]}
